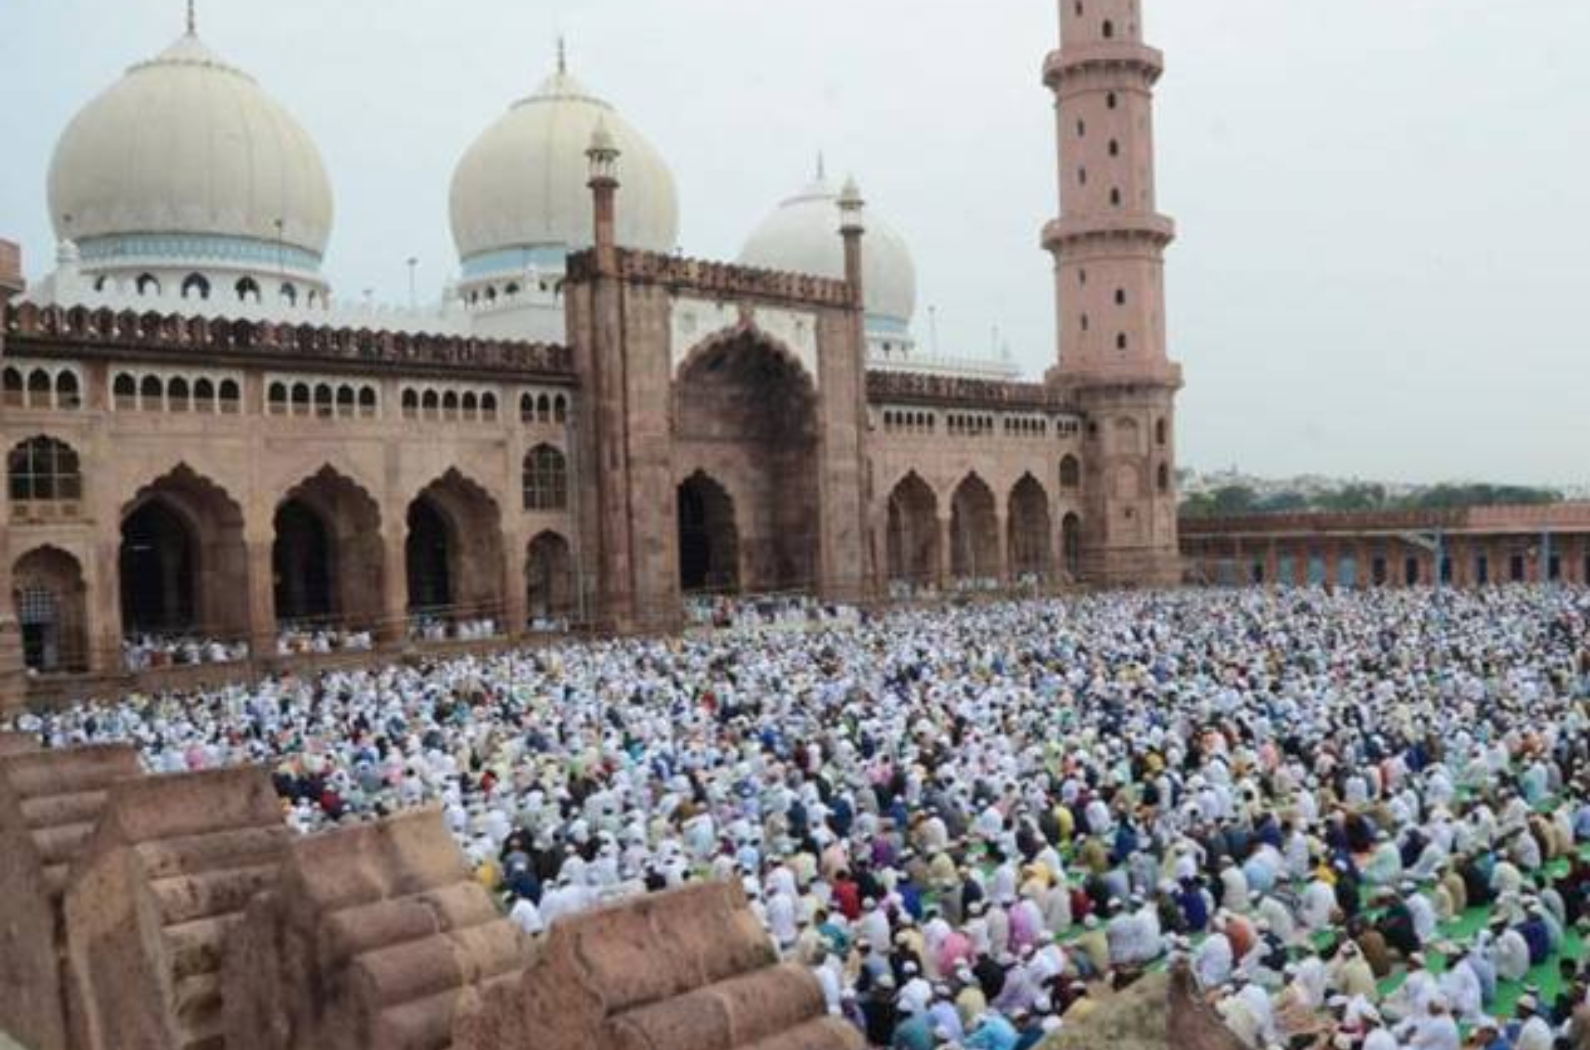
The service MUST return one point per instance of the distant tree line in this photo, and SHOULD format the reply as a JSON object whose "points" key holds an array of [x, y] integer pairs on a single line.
{"points": [[1232, 500]]}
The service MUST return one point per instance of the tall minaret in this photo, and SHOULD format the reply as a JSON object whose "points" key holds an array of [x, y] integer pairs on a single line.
{"points": [[1108, 246]]}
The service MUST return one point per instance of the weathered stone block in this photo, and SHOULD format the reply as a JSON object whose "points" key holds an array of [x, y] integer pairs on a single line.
{"points": [[370, 936], [49, 803], [162, 883], [686, 970]]}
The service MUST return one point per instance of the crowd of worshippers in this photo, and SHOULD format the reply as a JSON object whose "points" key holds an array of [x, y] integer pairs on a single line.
{"points": [[1356, 817]]}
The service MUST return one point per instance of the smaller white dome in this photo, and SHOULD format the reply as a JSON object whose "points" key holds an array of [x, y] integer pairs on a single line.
{"points": [[520, 195], [802, 236]]}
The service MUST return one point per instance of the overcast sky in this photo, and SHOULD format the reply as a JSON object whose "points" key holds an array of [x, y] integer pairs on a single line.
{"points": [[1382, 203]]}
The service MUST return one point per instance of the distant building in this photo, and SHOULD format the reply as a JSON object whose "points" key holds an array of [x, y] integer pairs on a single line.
{"points": [[1466, 547]]}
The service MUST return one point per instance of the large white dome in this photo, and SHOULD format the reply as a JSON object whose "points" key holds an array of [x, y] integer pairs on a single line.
{"points": [[802, 236], [519, 195], [188, 150]]}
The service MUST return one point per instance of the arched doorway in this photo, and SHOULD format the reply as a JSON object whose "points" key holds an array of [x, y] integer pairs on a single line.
{"points": [[709, 542], [48, 593], [1071, 546], [974, 531], [454, 552], [430, 559], [183, 565], [745, 411], [159, 571], [327, 558], [549, 579], [1030, 532], [301, 564], [912, 544]]}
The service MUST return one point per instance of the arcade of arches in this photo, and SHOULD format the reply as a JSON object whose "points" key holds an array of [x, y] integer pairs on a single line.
{"points": [[975, 539], [185, 566], [745, 419]]}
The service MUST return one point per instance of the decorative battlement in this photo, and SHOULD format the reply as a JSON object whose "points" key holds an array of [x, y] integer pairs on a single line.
{"points": [[50, 330], [716, 279], [922, 388], [1074, 63]]}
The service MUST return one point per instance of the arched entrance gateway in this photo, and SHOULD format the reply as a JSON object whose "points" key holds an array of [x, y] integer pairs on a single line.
{"points": [[745, 420], [183, 565], [454, 552], [327, 559], [709, 543], [974, 531], [1029, 531], [912, 543]]}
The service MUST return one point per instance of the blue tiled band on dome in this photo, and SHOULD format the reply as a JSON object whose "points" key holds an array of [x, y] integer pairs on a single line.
{"points": [[516, 260], [241, 251]]}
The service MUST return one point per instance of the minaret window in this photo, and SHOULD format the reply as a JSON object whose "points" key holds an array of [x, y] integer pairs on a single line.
{"points": [[1120, 341], [1082, 129], [1109, 29], [247, 290], [1084, 322], [195, 287], [1115, 196], [148, 285], [1120, 297], [1115, 148], [1110, 100], [1082, 176]]}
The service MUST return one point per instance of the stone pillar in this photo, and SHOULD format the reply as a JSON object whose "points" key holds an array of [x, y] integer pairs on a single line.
{"points": [[262, 628], [515, 607], [394, 581], [104, 615], [1002, 570], [946, 555]]}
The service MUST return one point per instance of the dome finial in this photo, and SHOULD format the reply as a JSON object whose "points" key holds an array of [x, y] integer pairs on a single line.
{"points": [[822, 167], [563, 56], [193, 19]]}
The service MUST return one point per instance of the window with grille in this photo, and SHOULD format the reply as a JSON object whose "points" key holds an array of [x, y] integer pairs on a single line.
{"points": [[44, 470], [546, 481]]}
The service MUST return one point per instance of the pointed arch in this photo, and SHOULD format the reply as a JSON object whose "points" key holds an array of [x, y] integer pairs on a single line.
{"points": [[454, 551], [1030, 531], [974, 530], [50, 599], [709, 538], [549, 579], [183, 564], [328, 562], [746, 409], [912, 539]]}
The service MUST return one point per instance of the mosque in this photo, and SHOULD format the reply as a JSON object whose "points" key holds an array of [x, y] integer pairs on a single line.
{"points": [[207, 441]]}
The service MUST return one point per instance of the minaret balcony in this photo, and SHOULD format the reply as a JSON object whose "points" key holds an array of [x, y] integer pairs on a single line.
{"points": [[1073, 230], [1074, 60]]}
